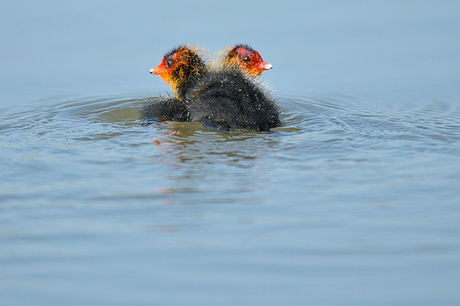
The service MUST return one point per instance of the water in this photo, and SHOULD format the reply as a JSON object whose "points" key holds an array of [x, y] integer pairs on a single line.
{"points": [[353, 201]]}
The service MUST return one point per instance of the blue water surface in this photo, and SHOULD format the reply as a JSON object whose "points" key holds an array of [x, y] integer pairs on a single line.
{"points": [[353, 201]]}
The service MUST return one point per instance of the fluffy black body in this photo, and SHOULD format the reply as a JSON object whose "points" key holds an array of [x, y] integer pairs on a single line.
{"points": [[228, 98], [232, 100], [164, 108]]}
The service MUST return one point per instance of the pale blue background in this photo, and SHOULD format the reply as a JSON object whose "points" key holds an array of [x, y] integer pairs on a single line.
{"points": [[355, 47]]}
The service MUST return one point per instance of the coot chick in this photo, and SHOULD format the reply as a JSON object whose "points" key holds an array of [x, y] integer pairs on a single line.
{"points": [[179, 68], [245, 57]]}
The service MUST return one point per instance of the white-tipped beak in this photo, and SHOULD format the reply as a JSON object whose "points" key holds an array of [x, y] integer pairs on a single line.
{"points": [[264, 66], [152, 71]]}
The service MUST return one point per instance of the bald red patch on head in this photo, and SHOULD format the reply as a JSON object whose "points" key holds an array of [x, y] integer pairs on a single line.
{"points": [[243, 51]]}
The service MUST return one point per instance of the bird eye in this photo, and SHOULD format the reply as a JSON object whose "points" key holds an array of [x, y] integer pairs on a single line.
{"points": [[246, 59], [168, 63]]}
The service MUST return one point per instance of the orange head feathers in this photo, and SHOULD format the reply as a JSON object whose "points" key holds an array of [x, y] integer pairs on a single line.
{"points": [[179, 67], [246, 58]]}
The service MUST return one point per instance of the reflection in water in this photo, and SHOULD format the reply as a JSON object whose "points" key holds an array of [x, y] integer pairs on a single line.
{"points": [[198, 160]]}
